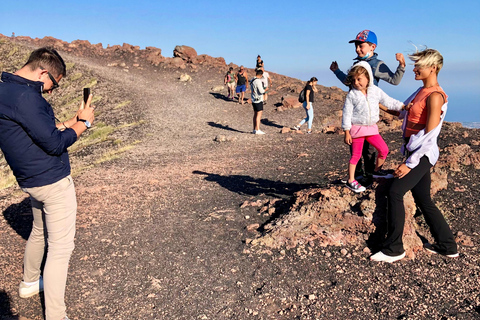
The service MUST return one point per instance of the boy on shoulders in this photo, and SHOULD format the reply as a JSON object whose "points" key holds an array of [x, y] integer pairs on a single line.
{"points": [[365, 45]]}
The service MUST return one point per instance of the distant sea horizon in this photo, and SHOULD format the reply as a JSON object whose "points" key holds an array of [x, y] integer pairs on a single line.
{"points": [[471, 125]]}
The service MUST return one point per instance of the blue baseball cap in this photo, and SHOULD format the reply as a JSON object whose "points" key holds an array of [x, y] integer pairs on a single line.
{"points": [[365, 36]]}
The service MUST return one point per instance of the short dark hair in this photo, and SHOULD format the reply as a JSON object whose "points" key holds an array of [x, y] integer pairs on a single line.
{"points": [[47, 58], [259, 72]]}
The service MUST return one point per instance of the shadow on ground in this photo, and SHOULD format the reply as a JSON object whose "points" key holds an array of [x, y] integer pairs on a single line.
{"points": [[221, 126], [220, 96], [5, 307], [246, 185], [269, 123], [19, 217]]}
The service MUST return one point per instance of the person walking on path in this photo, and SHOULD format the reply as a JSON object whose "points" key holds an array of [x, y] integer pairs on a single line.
{"points": [[257, 100], [421, 127], [242, 84], [229, 80], [310, 89], [365, 45], [35, 148], [359, 120]]}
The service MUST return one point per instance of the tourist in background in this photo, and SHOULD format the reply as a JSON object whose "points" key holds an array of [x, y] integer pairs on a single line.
{"points": [[259, 63], [242, 84], [267, 83], [257, 100], [310, 89], [229, 80]]}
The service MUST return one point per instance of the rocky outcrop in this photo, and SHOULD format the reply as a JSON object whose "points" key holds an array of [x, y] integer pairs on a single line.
{"points": [[186, 53], [335, 216], [458, 155], [289, 102], [129, 55]]}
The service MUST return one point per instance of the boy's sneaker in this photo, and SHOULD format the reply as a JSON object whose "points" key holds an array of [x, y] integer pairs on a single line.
{"points": [[355, 186], [432, 249], [27, 291], [296, 128], [381, 257], [258, 132], [382, 174]]}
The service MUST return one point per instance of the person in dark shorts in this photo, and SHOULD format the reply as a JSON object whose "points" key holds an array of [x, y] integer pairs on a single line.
{"points": [[242, 84], [257, 100]]}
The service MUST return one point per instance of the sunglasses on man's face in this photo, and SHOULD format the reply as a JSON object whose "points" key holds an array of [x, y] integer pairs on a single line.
{"points": [[55, 83]]}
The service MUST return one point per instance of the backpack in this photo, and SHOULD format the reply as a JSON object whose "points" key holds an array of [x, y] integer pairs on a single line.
{"points": [[301, 96]]}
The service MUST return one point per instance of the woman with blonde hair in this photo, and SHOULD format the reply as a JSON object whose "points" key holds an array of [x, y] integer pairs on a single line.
{"points": [[421, 126]]}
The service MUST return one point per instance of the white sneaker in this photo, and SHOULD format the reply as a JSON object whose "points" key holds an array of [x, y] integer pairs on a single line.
{"points": [[27, 291], [258, 132], [381, 257], [432, 249]]}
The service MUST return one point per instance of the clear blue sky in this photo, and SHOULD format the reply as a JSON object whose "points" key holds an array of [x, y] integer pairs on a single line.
{"points": [[298, 39]]}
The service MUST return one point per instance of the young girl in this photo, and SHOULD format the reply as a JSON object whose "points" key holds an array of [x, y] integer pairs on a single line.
{"points": [[310, 89], [360, 115]]}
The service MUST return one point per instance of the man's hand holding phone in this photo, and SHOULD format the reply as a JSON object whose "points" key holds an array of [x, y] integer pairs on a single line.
{"points": [[85, 114]]}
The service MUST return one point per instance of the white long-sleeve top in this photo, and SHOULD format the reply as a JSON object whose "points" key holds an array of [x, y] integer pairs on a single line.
{"points": [[364, 110], [423, 144], [256, 85]]}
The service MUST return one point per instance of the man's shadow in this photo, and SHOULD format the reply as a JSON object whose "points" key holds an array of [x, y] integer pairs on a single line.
{"points": [[247, 185], [5, 307], [19, 217], [221, 126]]}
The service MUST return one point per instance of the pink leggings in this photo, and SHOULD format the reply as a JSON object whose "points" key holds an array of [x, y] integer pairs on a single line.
{"points": [[376, 141]]}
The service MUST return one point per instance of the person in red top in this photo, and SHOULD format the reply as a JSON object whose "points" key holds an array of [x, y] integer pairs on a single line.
{"points": [[427, 108]]}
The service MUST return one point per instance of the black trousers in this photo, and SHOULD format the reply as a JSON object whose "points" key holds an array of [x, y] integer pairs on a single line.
{"points": [[418, 180]]}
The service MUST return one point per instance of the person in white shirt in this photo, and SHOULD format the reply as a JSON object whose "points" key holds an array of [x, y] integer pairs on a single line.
{"points": [[267, 83], [258, 92]]}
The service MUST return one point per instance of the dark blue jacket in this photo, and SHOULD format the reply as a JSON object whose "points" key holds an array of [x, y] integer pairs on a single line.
{"points": [[34, 148]]}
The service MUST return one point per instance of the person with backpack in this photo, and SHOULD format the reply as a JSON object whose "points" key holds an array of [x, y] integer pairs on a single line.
{"points": [[307, 98]]}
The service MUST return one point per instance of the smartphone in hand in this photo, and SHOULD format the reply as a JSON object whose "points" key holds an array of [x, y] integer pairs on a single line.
{"points": [[86, 94]]}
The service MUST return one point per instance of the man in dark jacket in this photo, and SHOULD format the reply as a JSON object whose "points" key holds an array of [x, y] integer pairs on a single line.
{"points": [[35, 148]]}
